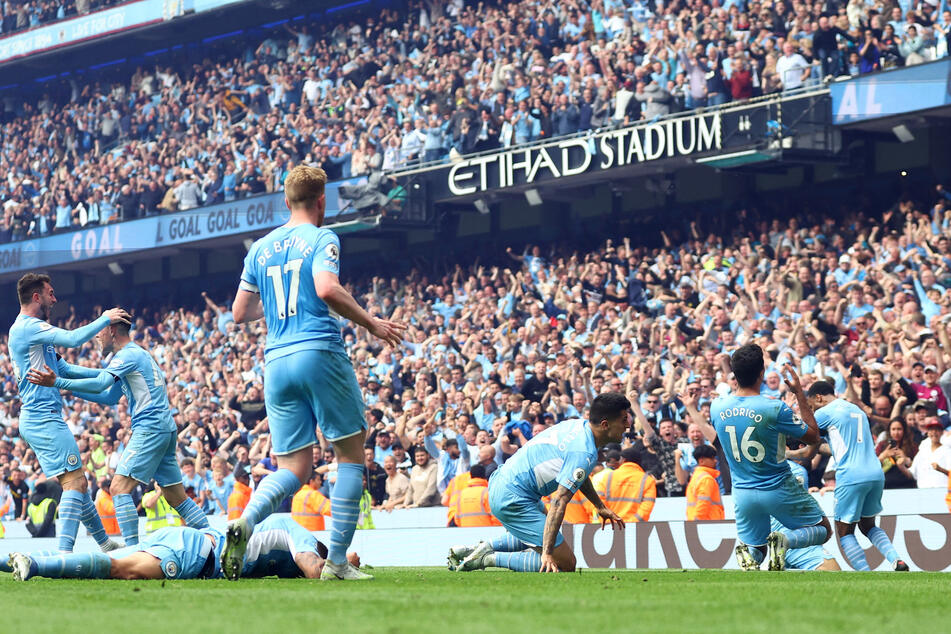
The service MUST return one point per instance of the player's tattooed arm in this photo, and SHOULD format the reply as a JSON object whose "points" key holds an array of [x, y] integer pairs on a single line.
{"points": [[310, 564], [587, 489], [556, 516]]}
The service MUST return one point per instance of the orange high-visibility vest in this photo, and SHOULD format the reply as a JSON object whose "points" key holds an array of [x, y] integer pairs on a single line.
{"points": [[579, 510], [238, 500], [455, 487], [472, 505], [309, 507], [703, 495], [107, 512], [629, 492], [947, 498]]}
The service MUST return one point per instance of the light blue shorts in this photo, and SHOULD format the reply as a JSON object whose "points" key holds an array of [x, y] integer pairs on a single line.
{"points": [[789, 503], [308, 388], [185, 552], [858, 500], [151, 455], [52, 442], [521, 516], [808, 558]]}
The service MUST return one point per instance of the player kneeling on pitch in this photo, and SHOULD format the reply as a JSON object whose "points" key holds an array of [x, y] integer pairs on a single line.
{"points": [[753, 429], [556, 462], [279, 547]]}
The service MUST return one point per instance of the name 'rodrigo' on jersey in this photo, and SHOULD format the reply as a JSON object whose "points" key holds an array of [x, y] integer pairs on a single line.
{"points": [[753, 432], [281, 267]]}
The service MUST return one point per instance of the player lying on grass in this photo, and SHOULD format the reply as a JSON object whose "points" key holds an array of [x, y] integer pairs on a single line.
{"points": [[555, 462], [279, 547]]}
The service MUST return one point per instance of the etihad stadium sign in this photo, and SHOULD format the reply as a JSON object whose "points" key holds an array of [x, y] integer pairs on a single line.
{"points": [[604, 150]]}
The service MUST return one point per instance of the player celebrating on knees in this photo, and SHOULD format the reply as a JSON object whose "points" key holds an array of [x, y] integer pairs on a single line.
{"points": [[753, 429], [290, 279], [151, 451], [32, 344], [859, 479], [556, 462]]}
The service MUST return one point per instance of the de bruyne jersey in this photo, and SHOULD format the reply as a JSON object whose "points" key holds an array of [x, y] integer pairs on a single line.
{"points": [[753, 432], [281, 267]]}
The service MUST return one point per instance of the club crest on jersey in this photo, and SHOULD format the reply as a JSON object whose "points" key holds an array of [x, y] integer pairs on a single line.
{"points": [[72, 460], [171, 569], [332, 252], [579, 475]]}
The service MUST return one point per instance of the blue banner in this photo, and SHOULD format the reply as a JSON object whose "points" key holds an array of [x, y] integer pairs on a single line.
{"points": [[121, 238], [892, 93], [85, 27]]}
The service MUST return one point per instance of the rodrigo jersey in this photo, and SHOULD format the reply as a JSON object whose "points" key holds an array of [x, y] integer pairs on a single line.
{"points": [[851, 440], [143, 384], [275, 543], [753, 431], [282, 266], [560, 455], [32, 344]]}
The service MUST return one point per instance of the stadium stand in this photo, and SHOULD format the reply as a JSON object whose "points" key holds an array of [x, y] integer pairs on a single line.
{"points": [[418, 83], [498, 351]]}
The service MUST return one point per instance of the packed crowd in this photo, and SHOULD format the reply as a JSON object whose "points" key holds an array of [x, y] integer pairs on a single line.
{"points": [[20, 15], [495, 353], [436, 80]]}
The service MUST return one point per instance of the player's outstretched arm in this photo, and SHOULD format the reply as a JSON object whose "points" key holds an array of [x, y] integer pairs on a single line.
{"points": [[70, 371], [247, 306], [103, 398], [607, 515], [328, 288], [791, 379], [103, 381], [79, 336]]}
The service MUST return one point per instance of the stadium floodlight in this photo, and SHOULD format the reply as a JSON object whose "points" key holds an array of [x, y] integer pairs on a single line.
{"points": [[481, 206], [902, 133], [532, 197], [115, 268], [248, 243]]}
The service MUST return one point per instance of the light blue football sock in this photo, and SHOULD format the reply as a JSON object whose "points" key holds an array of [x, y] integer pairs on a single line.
{"points": [[853, 552], [880, 540], [191, 514], [270, 493], [91, 520], [73, 565], [127, 518], [524, 561], [508, 543], [70, 514], [344, 509], [807, 536]]}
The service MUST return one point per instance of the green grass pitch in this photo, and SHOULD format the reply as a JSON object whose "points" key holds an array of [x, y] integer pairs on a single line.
{"points": [[421, 600]]}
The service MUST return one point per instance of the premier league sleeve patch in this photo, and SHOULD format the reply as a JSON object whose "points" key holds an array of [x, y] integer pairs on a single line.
{"points": [[171, 569], [579, 475]]}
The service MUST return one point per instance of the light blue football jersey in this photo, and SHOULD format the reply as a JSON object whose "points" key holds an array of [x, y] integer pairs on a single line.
{"points": [[273, 546], [752, 431], [560, 455], [281, 266], [143, 384], [850, 438], [32, 344]]}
